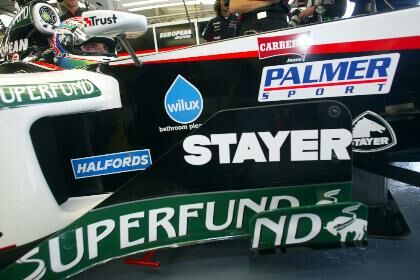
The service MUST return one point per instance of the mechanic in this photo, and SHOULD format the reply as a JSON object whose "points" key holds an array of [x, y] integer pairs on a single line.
{"points": [[365, 6], [260, 15], [224, 25], [69, 9], [319, 11]]}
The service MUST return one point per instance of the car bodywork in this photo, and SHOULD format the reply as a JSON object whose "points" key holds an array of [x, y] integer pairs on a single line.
{"points": [[358, 68]]}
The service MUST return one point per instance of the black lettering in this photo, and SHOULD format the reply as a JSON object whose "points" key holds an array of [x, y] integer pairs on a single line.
{"points": [[92, 19]]}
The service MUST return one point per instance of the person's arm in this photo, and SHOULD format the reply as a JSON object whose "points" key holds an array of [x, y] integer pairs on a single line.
{"points": [[208, 33], [245, 6], [331, 8]]}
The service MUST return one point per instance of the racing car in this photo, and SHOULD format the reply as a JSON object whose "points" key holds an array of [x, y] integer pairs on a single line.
{"points": [[276, 127]]}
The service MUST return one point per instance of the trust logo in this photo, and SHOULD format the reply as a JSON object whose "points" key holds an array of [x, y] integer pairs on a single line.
{"points": [[87, 21], [95, 21]]}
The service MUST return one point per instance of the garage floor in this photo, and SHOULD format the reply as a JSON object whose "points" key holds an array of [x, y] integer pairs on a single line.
{"points": [[381, 259]]}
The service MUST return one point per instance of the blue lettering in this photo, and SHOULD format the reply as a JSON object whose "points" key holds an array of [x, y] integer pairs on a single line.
{"points": [[349, 89], [380, 65], [328, 73], [272, 75], [292, 75], [319, 91], [291, 92], [265, 95], [307, 75], [380, 86], [353, 69]]}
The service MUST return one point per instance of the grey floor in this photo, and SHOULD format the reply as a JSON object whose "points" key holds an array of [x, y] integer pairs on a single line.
{"points": [[381, 259]]}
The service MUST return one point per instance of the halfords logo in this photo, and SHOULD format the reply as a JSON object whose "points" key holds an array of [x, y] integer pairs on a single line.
{"points": [[295, 44], [305, 145], [95, 21], [365, 75], [183, 101], [111, 163], [371, 133]]}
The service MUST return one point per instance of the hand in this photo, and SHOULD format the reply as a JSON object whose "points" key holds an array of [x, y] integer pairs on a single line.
{"points": [[307, 13]]}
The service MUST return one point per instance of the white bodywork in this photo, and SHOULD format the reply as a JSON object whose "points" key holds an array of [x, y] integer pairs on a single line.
{"points": [[28, 210]]}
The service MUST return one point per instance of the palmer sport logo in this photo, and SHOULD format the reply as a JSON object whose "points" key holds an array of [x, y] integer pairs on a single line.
{"points": [[356, 76], [371, 133], [183, 101]]}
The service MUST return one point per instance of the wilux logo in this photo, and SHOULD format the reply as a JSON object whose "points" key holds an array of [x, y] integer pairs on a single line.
{"points": [[183, 101]]}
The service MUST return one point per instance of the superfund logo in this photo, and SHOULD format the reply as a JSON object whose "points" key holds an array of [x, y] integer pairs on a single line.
{"points": [[331, 224], [12, 96], [183, 101], [294, 44], [111, 163], [365, 75], [95, 21], [136, 226], [305, 145]]}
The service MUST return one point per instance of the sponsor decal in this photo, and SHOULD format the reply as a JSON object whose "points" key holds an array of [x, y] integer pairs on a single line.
{"points": [[48, 15], [21, 18], [294, 44], [15, 57], [177, 34], [355, 76], [312, 226], [12, 96], [95, 21], [371, 133], [111, 163], [14, 46], [189, 126], [305, 145], [123, 229], [183, 104]]}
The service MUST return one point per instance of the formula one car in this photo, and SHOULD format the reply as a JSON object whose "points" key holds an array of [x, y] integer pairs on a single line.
{"points": [[265, 136]]}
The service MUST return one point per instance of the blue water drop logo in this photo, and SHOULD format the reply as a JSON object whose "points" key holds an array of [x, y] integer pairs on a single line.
{"points": [[183, 101]]}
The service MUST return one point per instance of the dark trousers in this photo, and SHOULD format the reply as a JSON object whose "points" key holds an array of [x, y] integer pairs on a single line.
{"points": [[251, 24]]}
